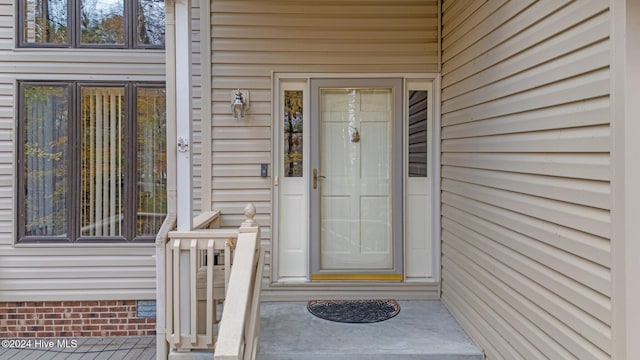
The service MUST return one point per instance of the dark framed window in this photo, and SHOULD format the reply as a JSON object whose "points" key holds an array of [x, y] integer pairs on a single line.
{"points": [[92, 161], [91, 23]]}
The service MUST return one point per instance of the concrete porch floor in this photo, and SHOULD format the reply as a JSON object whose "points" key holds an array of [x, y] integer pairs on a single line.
{"points": [[422, 330]]}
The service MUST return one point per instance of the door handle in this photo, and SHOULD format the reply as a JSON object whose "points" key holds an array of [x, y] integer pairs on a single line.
{"points": [[315, 178]]}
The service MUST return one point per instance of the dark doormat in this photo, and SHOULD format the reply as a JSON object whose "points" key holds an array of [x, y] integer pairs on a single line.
{"points": [[354, 311]]}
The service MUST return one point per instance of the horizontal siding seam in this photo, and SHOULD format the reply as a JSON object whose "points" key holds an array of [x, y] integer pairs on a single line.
{"points": [[574, 64], [558, 336], [577, 191], [591, 220], [531, 277], [544, 30], [581, 113], [590, 247], [501, 320], [579, 37], [568, 265]]}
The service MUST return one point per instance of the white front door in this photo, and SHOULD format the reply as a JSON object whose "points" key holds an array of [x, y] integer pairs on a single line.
{"points": [[356, 179]]}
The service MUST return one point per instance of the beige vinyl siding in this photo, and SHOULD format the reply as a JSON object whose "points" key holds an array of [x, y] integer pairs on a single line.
{"points": [[525, 176], [77, 273], [7, 102], [67, 272], [6, 158], [196, 105], [6, 25], [6, 126], [253, 39]]}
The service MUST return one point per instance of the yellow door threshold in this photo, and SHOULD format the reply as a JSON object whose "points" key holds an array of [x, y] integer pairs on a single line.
{"points": [[373, 277]]}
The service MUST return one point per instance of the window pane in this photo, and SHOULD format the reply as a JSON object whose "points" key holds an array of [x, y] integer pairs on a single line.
{"points": [[418, 133], [45, 152], [102, 164], [45, 21], [151, 174], [102, 22], [293, 133], [150, 22]]}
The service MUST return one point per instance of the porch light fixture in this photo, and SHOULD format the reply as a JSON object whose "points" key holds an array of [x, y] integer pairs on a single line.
{"points": [[239, 103]]}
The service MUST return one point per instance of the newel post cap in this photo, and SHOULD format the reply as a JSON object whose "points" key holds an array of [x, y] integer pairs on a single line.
{"points": [[249, 225]]}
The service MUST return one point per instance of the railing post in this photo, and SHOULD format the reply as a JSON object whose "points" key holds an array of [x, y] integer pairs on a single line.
{"points": [[162, 346], [195, 284], [236, 339]]}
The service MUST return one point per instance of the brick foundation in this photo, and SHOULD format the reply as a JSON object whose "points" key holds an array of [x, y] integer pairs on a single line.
{"points": [[49, 319]]}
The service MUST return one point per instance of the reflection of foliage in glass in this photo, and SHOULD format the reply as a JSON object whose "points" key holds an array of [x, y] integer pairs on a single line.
{"points": [[104, 169], [293, 124], [102, 22], [150, 22], [45, 151], [151, 160], [34, 150], [45, 21]]}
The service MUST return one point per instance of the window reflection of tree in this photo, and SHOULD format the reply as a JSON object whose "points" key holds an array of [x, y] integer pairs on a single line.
{"points": [[96, 204], [44, 151], [293, 125], [102, 22]]}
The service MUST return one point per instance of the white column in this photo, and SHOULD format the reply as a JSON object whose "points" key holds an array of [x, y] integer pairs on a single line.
{"points": [[183, 142], [162, 347], [183, 111], [625, 182]]}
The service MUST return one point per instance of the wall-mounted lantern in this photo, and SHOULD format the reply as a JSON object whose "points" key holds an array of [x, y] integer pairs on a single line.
{"points": [[239, 103]]}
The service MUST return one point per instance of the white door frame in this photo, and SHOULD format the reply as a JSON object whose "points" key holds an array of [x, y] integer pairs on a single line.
{"points": [[301, 80]]}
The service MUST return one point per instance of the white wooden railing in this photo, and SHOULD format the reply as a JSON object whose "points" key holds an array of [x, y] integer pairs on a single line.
{"points": [[239, 328], [195, 286], [205, 267]]}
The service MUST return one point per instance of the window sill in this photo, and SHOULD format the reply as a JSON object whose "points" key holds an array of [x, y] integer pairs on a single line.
{"points": [[76, 245], [88, 49]]}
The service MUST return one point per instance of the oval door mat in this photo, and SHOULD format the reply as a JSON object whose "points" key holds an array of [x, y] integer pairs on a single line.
{"points": [[354, 311]]}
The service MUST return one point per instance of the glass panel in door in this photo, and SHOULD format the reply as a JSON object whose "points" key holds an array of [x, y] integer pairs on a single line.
{"points": [[355, 178]]}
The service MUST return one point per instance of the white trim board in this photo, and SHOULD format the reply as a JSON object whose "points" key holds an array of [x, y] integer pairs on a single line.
{"points": [[301, 80]]}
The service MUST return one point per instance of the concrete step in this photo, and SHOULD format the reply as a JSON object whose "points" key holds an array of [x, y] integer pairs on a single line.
{"points": [[422, 330]]}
